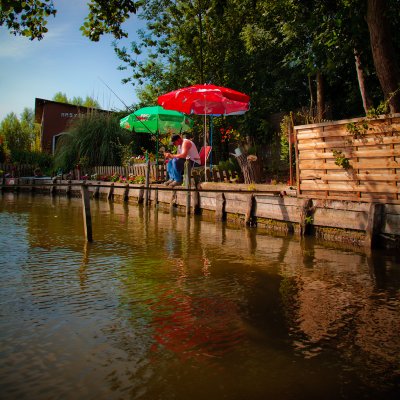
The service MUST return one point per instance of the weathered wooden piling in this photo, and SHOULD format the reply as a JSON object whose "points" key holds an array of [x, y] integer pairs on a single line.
{"points": [[374, 224], [220, 202], [187, 174], [147, 183], [249, 216], [110, 195], [87, 217]]}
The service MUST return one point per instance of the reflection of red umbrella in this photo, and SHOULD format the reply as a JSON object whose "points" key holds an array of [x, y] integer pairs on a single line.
{"points": [[206, 100]]}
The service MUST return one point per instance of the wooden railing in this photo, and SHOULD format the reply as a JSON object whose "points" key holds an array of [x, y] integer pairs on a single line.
{"points": [[17, 170], [357, 159], [159, 172]]}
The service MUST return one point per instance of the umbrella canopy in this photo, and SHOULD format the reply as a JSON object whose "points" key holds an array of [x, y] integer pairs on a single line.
{"points": [[156, 120], [206, 100]]}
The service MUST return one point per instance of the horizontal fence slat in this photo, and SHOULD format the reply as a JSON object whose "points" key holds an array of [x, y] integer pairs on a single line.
{"points": [[370, 153], [369, 141], [367, 187], [373, 153]]}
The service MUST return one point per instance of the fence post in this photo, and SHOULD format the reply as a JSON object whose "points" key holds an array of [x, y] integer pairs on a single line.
{"points": [[87, 217]]}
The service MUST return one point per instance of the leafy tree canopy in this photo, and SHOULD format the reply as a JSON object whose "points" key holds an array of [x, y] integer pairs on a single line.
{"points": [[29, 17], [78, 101]]}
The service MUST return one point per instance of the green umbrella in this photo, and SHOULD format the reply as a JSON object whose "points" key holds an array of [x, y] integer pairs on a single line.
{"points": [[156, 120]]}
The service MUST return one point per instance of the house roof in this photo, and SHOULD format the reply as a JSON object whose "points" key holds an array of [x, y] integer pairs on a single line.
{"points": [[40, 103]]}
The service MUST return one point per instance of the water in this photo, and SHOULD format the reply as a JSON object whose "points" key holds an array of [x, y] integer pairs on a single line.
{"points": [[161, 306]]}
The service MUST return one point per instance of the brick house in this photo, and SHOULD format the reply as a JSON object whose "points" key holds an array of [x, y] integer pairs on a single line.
{"points": [[55, 118]]}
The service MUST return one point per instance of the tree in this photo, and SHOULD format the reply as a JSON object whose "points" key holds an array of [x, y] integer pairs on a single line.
{"points": [[60, 97], [90, 103], [385, 57], [78, 101], [18, 137], [29, 18]]}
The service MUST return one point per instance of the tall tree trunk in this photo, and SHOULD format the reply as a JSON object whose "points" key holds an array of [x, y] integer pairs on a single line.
{"points": [[383, 52], [320, 97], [367, 102], [310, 88]]}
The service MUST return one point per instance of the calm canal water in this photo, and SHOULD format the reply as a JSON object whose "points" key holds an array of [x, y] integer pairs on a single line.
{"points": [[161, 306]]}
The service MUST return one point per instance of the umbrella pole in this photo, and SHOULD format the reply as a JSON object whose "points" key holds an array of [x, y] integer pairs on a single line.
{"points": [[205, 147], [211, 139], [157, 148]]}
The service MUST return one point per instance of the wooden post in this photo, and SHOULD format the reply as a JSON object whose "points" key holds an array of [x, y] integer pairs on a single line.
{"points": [[141, 195], [155, 197], [68, 191], [172, 202], [187, 173], [87, 218], [147, 182], [196, 200], [374, 224], [53, 187], [96, 193], [249, 216], [307, 209], [110, 195], [220, 202], [290, 154], [126, 193]]}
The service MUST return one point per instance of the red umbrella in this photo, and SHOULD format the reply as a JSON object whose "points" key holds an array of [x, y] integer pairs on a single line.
{"points": [[206, 100]]}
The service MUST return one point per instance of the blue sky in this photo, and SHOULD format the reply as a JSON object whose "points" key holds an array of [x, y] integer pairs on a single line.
{"points": [[64, 61]]}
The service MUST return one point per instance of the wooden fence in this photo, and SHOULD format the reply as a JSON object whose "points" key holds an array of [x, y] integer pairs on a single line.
{"points": [[356, 159], [17, 170], [158, 173]]}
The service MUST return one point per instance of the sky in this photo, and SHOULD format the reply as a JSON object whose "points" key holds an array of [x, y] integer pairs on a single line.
{"points": [[64, 61]]}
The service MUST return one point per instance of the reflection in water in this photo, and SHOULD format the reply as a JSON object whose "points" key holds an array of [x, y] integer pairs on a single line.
{"points": [[162, 306]]}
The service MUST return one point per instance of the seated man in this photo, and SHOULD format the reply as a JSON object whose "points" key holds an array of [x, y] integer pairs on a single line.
{"points": [[186, 149]]}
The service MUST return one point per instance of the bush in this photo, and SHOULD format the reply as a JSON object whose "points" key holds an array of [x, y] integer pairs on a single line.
{"points": [[37, 159], [96, 138]]}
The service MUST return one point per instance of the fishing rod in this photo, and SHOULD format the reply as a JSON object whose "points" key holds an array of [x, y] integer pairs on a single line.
{"points": [[114, 93]]}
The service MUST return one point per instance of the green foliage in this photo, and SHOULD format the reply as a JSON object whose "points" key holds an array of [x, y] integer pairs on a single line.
{"points": [[78, 101], [4, 152], [18, 135], [95, 137], [27, 18], [107, 17], [358, 130], [340, 159], [230, 165], [284, 135], [37, 159], [60, 97]]}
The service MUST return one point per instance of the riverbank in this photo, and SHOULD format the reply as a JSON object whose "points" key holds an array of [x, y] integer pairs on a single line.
{"points": [[274, 208]]}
